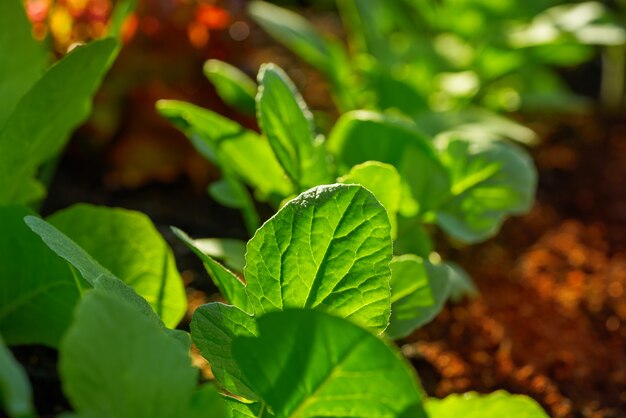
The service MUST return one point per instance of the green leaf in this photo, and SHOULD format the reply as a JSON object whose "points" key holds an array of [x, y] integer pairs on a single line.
{"points": [[230, 251], [207, 402], [122, 9], [15, 392], [384, 182], [292, 30], [42, 121], [231, 192], [306, 363], [461, 284], [288, 124], [238, 409], [244, 151], [362, 136], [213, 328], [233, 86], [37, 288], [91, 271], [495, 405], [476, 121], [129, 246], [490, 180], [230, 286], [419, 290], [329, 248], [115, 362], [24, 58], [413, 238]]}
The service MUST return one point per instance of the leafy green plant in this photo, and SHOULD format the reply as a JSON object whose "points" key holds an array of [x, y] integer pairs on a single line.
{"points": [[465, 183], [305, 335], [420, 56], [42, 105]]}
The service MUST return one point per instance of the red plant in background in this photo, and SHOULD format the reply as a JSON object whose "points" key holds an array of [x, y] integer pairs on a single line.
{"points": [[76, 21]]}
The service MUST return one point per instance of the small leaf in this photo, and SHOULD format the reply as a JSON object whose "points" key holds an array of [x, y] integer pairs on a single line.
{"points": [[234, 87], [231, 251], [15, 392], [306, 363], [27, 56], [329, 248], [362, 136], [37, 289], [288, 124], [222, 140], [42, 121], [461, 284], [384, 182], [490, 180], [230, 286], [213, 328], [419, 290], [129, 246], [494, 405], [134, 370], [238, 409], [293, 31]]}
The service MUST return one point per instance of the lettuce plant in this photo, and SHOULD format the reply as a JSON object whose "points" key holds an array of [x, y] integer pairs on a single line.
{"points": [[304, 335], [465, 183], [420, 56]]}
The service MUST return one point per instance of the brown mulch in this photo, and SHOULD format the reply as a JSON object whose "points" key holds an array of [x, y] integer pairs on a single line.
{"points": [[550, 320]]}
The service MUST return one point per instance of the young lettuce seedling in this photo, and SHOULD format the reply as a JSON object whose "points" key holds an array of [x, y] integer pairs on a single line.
{"points": [[302, 336]]}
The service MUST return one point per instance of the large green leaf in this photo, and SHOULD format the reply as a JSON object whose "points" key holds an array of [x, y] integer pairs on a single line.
{"points": [[42, 121], [213, 328], [384, 182], [306, 363], [91, 271], [362, 136], [330, 249], [234, 87], [249, 155], [495, 405], [129, 246], [16, 397], [115, 362], [418, 291], [490, 180], [229, 285], [37, 288], [24, 59], [207, 402], [288, 124]]}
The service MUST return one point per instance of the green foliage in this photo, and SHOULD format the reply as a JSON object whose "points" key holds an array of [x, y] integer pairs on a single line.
{"points": [[37, 289], [114, 361], [495, 405], [418, 291], [287, 123], [130, 247], [27, 63], [43, 118], [420, 56], [15, 392], [233, 86], [309, 364], [329, 248]]}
